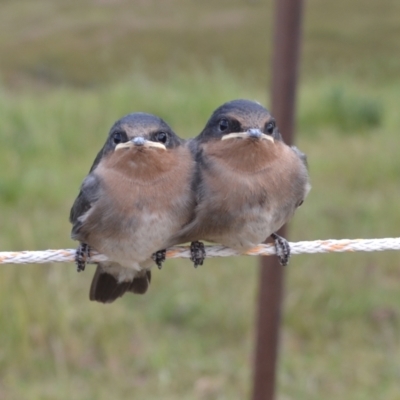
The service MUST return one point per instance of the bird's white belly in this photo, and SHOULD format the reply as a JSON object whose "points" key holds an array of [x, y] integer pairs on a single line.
{"points": [[136, 245], [258, 224]]}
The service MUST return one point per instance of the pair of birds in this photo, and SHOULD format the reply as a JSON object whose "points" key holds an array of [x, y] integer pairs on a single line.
{"points": [[236, 184]]}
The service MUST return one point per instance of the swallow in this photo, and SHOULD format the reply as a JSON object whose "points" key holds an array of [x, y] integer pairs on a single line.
{"points": [[135, 198], [248, 181]]}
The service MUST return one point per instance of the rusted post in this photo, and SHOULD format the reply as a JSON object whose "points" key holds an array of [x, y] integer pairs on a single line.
{"points": [[286, 50]]}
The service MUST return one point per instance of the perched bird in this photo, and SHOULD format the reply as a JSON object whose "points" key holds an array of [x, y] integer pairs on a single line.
{"points": [[249, 182], [136, 197]]}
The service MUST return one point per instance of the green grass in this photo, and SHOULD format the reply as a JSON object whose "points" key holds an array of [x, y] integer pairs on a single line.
{"points": [[89, 42], [69, 70], [191, 336]]}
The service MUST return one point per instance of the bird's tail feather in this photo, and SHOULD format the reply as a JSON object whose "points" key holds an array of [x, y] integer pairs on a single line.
{"points": [[140, 284], [106, 288]]}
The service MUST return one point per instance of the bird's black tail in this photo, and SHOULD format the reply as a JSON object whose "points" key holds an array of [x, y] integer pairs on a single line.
{"points": [[105, 287]]}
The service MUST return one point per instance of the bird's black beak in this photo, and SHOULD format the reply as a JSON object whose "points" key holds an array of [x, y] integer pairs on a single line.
{"points": [[252, 133], [139, 141]]}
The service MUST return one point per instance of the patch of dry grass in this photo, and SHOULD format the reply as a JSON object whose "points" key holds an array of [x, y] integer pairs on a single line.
{"points": [[87, 43]]}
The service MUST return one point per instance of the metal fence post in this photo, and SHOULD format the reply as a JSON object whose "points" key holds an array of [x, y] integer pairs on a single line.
{"points": [[286, 50]]}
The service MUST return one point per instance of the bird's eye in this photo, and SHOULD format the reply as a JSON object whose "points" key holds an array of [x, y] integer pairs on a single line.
{"points": [[223, 125], [269, 127], [117, 137], [161, 137]]}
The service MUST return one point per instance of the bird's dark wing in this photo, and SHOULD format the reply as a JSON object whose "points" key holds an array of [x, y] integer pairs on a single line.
{"points": [[89, 189], [89, 194], [301, 155]]}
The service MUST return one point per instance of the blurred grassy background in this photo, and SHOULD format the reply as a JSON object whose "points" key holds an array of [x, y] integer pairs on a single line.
{"points": [[68, 70]]}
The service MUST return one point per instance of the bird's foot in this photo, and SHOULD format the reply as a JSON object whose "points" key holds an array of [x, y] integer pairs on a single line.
{"points": [[282, 249], [197, 253], [82, 255], [159, 257]]}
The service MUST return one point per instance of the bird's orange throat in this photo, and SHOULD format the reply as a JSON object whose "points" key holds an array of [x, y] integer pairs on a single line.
{"points": [[141, 163], [243, 155]]}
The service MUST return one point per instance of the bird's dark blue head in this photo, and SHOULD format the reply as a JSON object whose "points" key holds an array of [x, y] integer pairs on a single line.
{"points": [[240, 116], [138, 128], [142, 125]]}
